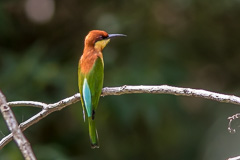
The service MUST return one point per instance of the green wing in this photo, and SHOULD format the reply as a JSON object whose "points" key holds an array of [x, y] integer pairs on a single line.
{"points": [[90, 87]]}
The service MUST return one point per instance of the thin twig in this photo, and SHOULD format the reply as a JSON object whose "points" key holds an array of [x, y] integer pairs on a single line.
{"points": [[12, 124], [27, 103], [162, 89]]}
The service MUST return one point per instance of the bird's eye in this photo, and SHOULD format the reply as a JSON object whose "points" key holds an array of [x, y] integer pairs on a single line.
{"points": [[103, 37], [100, 38]]}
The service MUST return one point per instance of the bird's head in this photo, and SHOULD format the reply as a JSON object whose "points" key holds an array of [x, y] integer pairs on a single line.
{"points": [[99, 39]]}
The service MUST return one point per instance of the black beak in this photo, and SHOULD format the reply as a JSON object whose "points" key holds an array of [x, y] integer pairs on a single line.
{"points": [[115, 35]]}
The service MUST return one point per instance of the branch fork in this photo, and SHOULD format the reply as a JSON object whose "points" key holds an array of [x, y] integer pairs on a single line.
{"points": [[126, 89]]}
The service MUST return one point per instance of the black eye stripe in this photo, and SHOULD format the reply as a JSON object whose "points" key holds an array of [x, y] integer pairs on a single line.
{"points": [[101, 38]]}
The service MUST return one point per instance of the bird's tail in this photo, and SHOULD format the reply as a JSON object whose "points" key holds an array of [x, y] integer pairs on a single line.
{"points": [[93, 133]]}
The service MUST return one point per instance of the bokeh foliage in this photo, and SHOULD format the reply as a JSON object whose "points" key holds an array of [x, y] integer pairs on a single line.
{"points": [[188, 43]]}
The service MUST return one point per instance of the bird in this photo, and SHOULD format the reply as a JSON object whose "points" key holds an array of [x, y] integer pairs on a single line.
{"points": [[90, 77]]}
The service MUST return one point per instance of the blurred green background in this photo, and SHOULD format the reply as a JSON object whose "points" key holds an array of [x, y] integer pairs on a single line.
{"points": [[186, 43]]}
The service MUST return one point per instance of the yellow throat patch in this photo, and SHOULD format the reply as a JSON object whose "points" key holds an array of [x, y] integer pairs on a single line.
{"points": [[99, 45]]}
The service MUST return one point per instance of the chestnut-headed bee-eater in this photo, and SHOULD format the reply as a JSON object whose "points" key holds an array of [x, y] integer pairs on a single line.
{"points": [[90, 77]]}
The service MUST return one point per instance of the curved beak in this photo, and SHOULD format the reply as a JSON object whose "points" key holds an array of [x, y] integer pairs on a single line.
{"points": [[115, 35]]}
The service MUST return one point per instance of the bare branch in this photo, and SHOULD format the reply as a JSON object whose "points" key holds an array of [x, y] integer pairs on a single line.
{"points": [[47, 109], [162, 89], [234, 158], [12, 124]]}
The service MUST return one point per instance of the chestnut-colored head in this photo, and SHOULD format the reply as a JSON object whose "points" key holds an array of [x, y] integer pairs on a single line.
{"points": [[99, 39]]}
